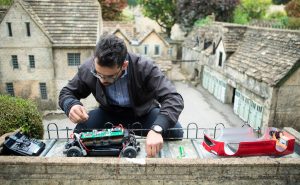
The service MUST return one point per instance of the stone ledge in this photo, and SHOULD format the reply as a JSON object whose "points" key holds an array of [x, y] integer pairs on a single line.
{"points": [[14, 160], [62, 170], [293, 132]]}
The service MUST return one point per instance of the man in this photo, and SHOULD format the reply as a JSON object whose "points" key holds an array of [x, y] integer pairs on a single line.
{"points": [[129, 89]]}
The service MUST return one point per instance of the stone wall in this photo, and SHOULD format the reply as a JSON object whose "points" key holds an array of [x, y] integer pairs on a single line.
{"points": [[287, 105], [151, 41], [52, 35], [26, 79], [64, 72], [98, 170], [191, 60], [251, 170]]}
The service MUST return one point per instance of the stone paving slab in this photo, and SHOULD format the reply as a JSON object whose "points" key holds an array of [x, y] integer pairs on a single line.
{"points": [[193, 149]]}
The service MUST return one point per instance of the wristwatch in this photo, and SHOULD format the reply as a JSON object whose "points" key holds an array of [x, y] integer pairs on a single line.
{"points": [[156, 128]]}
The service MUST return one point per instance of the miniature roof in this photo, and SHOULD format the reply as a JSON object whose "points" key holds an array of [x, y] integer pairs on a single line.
{"points": [[66, 22], [231, 35], [267, 55], [124, 35], [143, 38], [126, 28]]}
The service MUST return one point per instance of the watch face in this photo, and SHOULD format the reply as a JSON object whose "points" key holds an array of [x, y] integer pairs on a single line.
{"points": [[157, 128]]}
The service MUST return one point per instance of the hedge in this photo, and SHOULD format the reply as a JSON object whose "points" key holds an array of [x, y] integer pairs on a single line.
{"points": [[20, 113]]}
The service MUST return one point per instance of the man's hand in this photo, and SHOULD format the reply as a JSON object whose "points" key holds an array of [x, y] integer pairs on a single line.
{"points": [[78, 114], [154, 143]]}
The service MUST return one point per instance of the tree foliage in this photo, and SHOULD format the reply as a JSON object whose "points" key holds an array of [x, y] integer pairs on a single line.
{"points": [[162, 11], [240, 16], [279, 2], [249, 9], [6, 2], [191, 11], [276, 15], [132, 3], [293, 11], [293, 8], [112, 9]]}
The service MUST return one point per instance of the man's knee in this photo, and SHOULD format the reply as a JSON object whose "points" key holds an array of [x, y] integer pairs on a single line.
{"points": [[175, 132]]}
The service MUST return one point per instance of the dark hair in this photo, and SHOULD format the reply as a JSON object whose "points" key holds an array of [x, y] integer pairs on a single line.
{"points": [[110, 51], [277, 133]]}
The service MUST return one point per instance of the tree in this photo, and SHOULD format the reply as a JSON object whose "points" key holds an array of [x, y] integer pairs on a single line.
{"points": [[162, 11], [279, 2], [6, 2], [132, 3], [249, 9], [112, 9], [293, 8], [293, 11], [191, 11]]}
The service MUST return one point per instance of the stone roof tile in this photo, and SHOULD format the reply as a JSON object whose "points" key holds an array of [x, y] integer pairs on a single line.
{"points": [[262, 51], [127, 28], [68, 22], [231, 35]]}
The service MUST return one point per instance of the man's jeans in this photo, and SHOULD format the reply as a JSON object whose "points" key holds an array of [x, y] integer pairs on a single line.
{"points": [[98, 118]]}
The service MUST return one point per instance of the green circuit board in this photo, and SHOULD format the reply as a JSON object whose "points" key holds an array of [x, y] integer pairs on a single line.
{"points": [[115, 132]]}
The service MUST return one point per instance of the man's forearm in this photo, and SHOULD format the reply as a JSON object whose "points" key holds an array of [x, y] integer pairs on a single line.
{"points": [[68, 104]]}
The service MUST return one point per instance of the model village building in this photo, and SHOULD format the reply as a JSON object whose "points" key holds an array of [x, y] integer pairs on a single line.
{"points": [[149, 43], [44, 42], [42, 45], [254, 69]]}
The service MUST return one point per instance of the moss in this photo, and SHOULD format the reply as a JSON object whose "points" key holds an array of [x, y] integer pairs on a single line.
{"points": [[20, 113]]}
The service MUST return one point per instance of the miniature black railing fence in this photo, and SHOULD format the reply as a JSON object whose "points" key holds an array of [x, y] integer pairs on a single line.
{"points": [[137, 129]]}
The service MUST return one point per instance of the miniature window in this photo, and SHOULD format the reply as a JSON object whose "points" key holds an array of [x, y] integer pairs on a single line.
{"points": [[10, 89], [145, 49], [9, 29], [214, 48], [14, 59], [207, 44], [170, 51], [73, 59], [259, 108], [253, 105], [156, 50], [28, 29], [220, 59], [31, 61], [43, 90]]}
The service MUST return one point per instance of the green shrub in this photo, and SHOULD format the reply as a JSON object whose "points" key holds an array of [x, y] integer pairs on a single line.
{"points": [[248, 10], [280, 22], [240, 16], [277, 15], [19, 113], [293, 23], [203, 22]]}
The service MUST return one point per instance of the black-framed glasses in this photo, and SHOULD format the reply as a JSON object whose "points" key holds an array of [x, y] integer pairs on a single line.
{"points": [[107, 78]]}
